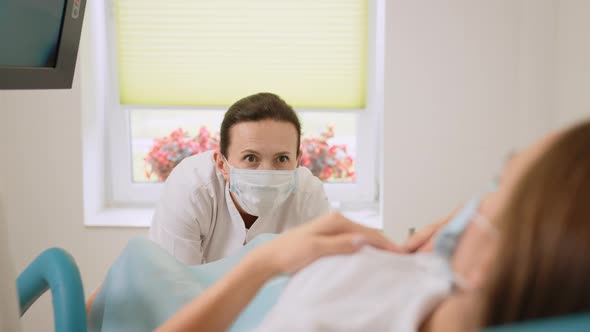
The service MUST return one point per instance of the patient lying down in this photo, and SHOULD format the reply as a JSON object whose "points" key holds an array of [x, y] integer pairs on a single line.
{"points": [[518, 254]]}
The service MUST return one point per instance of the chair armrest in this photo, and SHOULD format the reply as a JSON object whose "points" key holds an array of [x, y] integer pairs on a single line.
{"points": [[55, 269]]}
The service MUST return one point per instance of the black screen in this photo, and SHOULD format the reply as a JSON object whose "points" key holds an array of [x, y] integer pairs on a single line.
{"points": [[30, 32]]}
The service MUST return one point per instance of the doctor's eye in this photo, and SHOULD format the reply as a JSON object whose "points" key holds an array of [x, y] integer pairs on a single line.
{"points": [[250, 158], [283, 159]]}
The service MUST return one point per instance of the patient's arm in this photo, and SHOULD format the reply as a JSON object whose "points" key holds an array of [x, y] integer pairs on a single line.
{"points": [[329, 235]]}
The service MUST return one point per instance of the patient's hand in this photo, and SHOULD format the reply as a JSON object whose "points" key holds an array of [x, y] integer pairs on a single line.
{"points": [[423, 240], [332, 234]]}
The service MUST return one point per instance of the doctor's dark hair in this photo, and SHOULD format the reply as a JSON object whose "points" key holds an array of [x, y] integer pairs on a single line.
{"points": [[543, 263], [254, 108]]}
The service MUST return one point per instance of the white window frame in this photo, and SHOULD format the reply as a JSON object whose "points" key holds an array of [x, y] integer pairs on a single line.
{"points": [[120, 191]]}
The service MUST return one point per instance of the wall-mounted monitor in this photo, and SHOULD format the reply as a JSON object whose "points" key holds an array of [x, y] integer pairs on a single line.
{"points": [[39, 42]]}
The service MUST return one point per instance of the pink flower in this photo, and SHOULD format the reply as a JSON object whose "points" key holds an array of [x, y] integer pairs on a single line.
{"points": [[325, 160]]}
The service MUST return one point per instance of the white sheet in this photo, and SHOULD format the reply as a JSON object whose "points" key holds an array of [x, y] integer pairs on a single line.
{"points": [[370, 291]]}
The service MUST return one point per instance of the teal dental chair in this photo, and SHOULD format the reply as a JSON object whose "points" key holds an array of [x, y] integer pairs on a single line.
{"points": [[573, 323], [56, 270]]}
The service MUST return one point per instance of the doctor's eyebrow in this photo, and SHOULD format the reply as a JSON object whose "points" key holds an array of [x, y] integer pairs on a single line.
{"points": [[249, 151], [282, 153]]}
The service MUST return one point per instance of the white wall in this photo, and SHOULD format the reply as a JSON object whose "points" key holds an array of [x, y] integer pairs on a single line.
{"points": [[537, 44], [464, 80], [9, 319], [42, 189], [573, 61], [451, 82]]}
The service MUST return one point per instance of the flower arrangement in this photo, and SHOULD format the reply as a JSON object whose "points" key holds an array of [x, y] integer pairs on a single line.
{"points": [[328, 162], [167, 152]]}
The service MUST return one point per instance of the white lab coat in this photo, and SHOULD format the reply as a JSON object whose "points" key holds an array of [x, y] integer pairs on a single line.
{"points": [[197, 221]]}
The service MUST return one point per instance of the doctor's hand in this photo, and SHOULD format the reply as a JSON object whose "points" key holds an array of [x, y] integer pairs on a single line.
{"points": [[423, 240], [332, 234]]}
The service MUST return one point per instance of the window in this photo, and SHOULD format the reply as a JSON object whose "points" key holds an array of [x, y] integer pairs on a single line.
{"points": [[175, 66]]}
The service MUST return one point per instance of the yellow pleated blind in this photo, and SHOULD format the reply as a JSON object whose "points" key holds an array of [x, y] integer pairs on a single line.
{"points": [[313, 53]]}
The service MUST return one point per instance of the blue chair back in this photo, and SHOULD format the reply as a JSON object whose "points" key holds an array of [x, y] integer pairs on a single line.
{"points": [[56, 270]]}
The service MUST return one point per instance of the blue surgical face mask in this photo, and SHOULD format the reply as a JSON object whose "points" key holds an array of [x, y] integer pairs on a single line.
{"points": [[260, 191], [446, 242], [448, 238]]}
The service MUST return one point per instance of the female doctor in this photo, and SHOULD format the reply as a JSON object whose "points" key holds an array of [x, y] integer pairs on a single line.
{"points": [[215, 202]]}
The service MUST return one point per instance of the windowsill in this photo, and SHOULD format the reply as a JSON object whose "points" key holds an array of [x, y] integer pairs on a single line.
{"points": [[142, 218], [121, 217]]}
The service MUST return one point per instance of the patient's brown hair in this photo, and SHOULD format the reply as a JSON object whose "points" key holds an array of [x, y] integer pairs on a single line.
{"points": [[543, 264]]}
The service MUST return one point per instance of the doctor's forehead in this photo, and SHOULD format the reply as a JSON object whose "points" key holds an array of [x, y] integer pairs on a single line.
{"points": [[267, 136]]}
